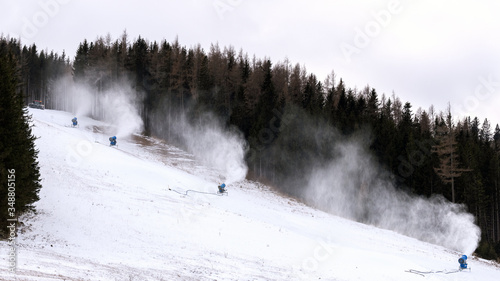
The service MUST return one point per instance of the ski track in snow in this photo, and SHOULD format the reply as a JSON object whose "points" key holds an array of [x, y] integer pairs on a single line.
{"points": [[107, 213]]}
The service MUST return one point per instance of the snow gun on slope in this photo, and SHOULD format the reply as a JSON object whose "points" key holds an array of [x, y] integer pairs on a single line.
{"points": [[74, 122], [222, 189], [463, 262], [112, 141], [220, 192]]}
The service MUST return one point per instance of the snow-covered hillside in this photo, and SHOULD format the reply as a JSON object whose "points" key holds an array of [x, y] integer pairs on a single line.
{"points": [[122, 214]]}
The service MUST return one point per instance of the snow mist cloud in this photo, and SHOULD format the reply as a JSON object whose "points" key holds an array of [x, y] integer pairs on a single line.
{"points": [[340, 175], [208, 140], [120, 110], [216, 147], [117, 105], [354, 186]]}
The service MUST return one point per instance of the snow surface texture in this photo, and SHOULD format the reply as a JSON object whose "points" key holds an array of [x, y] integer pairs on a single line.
{"points": [[110, 213], [354, 187]]}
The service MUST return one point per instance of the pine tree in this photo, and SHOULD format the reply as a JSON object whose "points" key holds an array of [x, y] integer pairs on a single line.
{"points": [[81, 63], [446, 149], [240, 116], [372, 107], [17, 150], [296, 85], [340, 120], [496, 138], [260, 133]]}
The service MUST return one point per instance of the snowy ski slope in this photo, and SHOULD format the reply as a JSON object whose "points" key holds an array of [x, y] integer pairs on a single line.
{"points": [[113, 214]]}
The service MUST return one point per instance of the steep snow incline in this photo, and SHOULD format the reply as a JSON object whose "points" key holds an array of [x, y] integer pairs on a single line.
{"points": [[114, 214]]}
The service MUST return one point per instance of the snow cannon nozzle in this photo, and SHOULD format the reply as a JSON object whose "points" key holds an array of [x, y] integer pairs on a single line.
{"points": [[463, 262]]}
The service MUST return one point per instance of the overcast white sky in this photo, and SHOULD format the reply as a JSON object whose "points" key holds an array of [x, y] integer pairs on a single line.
{"points": [[429, 52]]}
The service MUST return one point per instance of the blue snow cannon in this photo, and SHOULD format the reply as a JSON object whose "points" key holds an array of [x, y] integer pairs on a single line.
{"points": [[463, 262], [112, 140], [222, 188], [75, 122]]}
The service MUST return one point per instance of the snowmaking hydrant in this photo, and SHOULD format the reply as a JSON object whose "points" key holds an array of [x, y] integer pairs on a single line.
{"points": [[463, 262]]}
